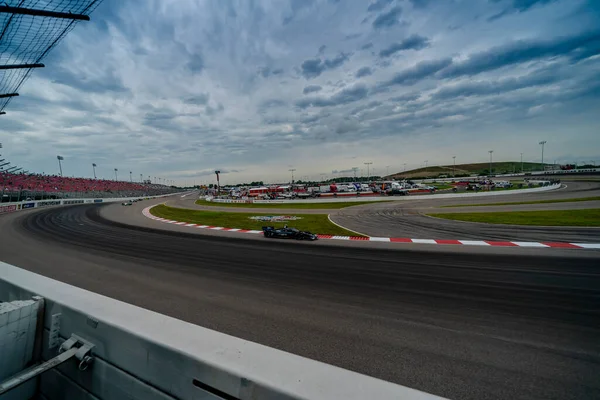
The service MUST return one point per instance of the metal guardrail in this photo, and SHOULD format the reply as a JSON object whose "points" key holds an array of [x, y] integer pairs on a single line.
{"points": [[140, 354]]}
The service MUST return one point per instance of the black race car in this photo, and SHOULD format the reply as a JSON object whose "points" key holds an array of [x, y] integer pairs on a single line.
{"points": [[287, 233]]}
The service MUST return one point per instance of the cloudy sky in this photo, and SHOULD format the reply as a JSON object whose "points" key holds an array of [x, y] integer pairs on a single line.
{"points": [[178, 88]]}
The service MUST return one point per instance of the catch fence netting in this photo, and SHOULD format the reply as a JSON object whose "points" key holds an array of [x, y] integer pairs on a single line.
{"points": [[28, 34]]}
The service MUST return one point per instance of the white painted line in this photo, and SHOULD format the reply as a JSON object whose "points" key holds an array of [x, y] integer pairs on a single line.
{"points": [[170, 222], [180, 223], [190, 224], [202, 226], [588, 245], [254, 232], [217, 228], [341, 237], [474, 242], [234, 229], [424, 241], [379, 239], [530, 244], [343, 227]]}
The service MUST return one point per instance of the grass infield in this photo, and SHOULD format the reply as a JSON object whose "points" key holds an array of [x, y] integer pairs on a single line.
{"points": [[315, 223], [526, 202], [589, 217]]}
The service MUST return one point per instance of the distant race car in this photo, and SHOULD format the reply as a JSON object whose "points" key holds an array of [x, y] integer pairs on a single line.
{"points": [[287, 233], [127, 203]]}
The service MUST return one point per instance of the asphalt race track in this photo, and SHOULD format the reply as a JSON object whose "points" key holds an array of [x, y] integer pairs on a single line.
{"points": [[406, 219], [493, 324]]}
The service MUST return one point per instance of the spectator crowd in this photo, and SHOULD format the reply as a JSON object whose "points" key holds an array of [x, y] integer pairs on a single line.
{"points": [[53, 186]]}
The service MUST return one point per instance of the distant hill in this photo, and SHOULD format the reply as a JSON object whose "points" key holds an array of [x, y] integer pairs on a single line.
{"points": [[462, 170]]}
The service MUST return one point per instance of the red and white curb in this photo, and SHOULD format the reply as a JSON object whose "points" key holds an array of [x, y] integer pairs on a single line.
{"points": [[560, 245]]}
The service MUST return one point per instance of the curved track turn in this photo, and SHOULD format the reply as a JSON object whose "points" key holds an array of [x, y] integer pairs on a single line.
{"points": [[406, 219], [464, 326]]}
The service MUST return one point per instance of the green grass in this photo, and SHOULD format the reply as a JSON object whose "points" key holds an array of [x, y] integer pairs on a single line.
{"points": [[315, 205], [526, 202], [316, 223], [590, 217]]}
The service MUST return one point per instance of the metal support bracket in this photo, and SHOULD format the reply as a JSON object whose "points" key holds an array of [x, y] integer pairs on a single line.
{"points": [[74, 347]]}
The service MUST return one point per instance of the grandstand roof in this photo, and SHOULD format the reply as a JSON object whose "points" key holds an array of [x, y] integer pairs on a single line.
{"points": [[29, 29]]}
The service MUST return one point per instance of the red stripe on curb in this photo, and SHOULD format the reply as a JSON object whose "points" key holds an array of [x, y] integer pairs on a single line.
{"points": [[562, 245], [358, 238], [506, 244], [324, 236], [244, 230], [446, 241], [400, 240]]}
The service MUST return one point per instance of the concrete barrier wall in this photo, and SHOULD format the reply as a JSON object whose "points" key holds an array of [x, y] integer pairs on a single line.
{"points": [[24, 205], [409, 197], [140, 354]]}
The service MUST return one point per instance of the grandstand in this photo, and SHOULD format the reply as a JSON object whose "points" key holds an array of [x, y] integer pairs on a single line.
{"points": [[22, 186]]}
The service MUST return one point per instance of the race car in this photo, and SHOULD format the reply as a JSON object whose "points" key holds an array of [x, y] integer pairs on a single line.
{"points": [[127, 203], [287, 233]]}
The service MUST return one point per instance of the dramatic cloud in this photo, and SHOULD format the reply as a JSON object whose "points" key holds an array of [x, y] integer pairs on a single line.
{"points": [[180, 88], [364, 71], [422, 70], [419, 3], [344, 96], [524, 51], [379, 5], [516, 6], [387, 19], [413, 42], [315, 67], [311, 89]]}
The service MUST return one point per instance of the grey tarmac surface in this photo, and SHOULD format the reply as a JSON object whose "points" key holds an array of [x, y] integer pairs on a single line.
{"points": [[485, 325], [406, 219]]}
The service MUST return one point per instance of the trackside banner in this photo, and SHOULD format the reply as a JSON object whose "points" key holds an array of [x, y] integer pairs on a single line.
{"points": [[6, 209], [48, 203], [67, 202], [27, 205]]}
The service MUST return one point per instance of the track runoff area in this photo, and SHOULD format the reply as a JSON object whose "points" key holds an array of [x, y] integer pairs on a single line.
{"points": [[523, 211]]}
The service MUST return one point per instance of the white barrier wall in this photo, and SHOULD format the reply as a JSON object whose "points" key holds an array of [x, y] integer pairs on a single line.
{"points": [[24, 205], [400, 198], [140, 354]]}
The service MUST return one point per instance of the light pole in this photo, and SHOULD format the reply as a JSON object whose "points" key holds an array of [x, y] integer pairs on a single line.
{"points": [[218, 183], [542, 143], [130, 177], [521, 162], [94, 168], [116, 177], [387, 170], [141, 178], [354, 169], [453, 166], [426, 161], [368, 164], [292, 171], [404, 167], [490, 172], [60, 158]]}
